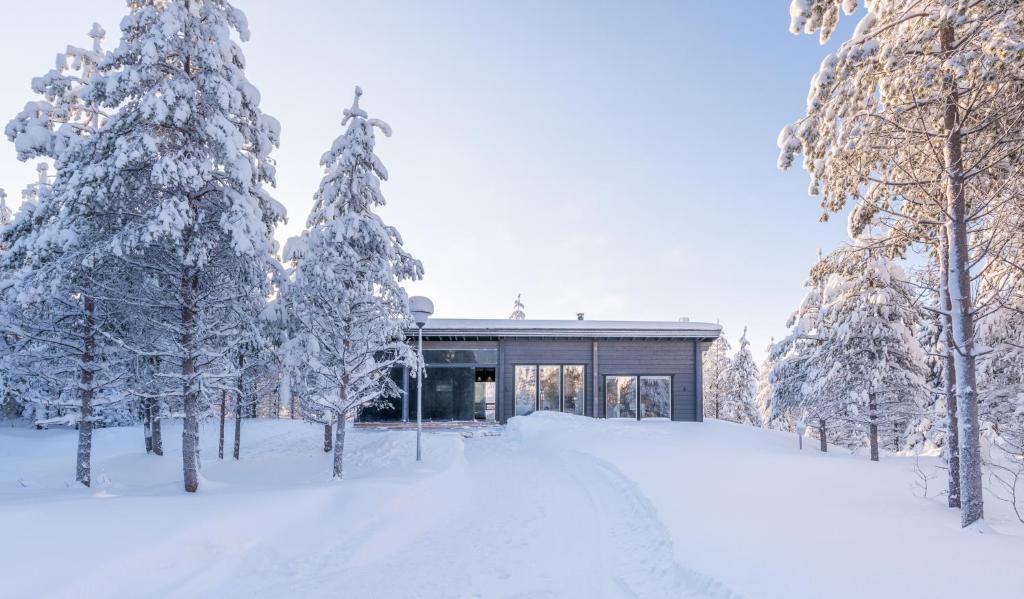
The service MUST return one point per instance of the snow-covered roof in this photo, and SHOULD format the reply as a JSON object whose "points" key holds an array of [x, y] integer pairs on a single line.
{"points": [[484, 327]]}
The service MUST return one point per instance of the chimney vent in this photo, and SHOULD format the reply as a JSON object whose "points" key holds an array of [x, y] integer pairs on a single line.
{"points": [[579, 316]]}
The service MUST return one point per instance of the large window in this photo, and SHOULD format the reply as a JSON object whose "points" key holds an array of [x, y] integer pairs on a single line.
{"points": [[620, 396], [572, 390], [655, 396], [638, 396], [552, 387], [526, 389]]}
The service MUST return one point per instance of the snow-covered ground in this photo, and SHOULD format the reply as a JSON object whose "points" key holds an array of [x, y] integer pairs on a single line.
{"points": [[556, 506]]}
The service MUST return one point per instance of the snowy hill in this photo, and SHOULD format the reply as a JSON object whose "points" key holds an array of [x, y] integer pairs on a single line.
{"points": [[556, 506]]}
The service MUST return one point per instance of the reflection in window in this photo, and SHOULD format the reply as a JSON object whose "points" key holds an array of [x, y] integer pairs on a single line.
{"points": [[572, 389], [526, 389], [655, 396], [550, 387], [460, 356], [620, 396]]}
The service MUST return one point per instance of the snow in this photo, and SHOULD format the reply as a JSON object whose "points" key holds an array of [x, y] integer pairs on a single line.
{"points": [[522, 327], [554, 506]]}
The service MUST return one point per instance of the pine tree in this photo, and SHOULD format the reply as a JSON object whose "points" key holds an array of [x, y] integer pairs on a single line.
{"points": [[187, 147], [518, 309], [912, 121], [57, 262], [716, 365], [868, 369], [345, 298], [738, 402], [763, 399]]}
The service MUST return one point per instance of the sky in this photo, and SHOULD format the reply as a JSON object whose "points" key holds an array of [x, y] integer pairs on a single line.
{"points": [[611, 158]]}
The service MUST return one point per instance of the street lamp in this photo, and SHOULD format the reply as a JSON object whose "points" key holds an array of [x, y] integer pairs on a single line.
{"points": [[421, 309]]}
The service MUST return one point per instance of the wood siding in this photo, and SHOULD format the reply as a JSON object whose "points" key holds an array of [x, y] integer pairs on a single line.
{"points": [[675, 358]]}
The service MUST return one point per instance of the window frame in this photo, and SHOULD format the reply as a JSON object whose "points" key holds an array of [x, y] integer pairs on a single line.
{"points": [[561, 386], [636, 377]]}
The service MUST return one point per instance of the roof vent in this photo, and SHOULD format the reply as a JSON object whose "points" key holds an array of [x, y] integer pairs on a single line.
{"points": [[684, 319], [579, 316]]}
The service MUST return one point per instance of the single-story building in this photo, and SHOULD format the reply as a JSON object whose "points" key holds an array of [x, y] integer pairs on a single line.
{"points": [[492, 370]]}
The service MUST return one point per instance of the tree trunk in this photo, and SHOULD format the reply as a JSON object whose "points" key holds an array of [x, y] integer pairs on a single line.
{"points": [[962, 314], [223, 415], [873, 426], [147, 424], [190, 427], [952, 446], [821, 435], [328, 438], [83, 470], [238, 407], [339, 445], [291, 408], [154, 418]]}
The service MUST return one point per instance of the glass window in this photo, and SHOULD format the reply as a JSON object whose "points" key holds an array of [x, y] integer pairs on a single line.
{"points": [[620, 396], [655, 396], [526, 389], [460, 356], [572, 389], [550, 387], [485, 393], [448, 394]]}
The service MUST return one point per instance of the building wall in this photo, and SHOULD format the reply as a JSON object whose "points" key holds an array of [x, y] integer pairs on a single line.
{"points": [[676, 358]]}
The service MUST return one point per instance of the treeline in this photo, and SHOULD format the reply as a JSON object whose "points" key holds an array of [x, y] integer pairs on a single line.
{"points": [[143, 282]]}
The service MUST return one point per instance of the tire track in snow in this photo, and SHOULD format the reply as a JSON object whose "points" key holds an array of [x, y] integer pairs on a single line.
{"points": [[635, 546]]}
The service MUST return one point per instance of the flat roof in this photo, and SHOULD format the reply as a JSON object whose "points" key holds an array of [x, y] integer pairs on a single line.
{"points": [[476, 328]]}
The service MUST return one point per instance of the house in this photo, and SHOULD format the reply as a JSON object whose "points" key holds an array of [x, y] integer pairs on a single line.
{"points": [[492, 370]]}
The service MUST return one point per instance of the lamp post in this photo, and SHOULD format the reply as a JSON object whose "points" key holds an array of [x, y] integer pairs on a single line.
{"points": [[421, 309]]}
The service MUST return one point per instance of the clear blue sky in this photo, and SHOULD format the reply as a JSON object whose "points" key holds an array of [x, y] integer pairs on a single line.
{"points": [[614, 158]]}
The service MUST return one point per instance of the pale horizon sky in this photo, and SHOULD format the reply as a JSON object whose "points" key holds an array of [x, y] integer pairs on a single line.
{"points": [[611, 158]]}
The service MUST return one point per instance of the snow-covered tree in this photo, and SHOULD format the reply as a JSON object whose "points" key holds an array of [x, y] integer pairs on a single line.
{"points": [[5, 211], [57, 259], [518, 309], [188, 149], [789, 401], [912, 120], [868, 368], [738, 402], [345, 298], [716, 366], [763, 399]]}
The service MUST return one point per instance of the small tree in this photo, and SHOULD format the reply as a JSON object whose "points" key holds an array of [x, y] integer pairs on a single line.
{"points": [[715, 375], [345, 298], [518, 309], [868, 367], [738, 403]]}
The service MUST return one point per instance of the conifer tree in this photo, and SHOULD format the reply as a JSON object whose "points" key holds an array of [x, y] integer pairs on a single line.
{"points": [[518, 309], [57, 260], [188, 149], [913, 120], [715, 376], [348, 309], [738, 402]]}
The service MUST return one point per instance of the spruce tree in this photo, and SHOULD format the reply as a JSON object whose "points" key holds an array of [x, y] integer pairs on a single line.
{"points": [[344, 297]]}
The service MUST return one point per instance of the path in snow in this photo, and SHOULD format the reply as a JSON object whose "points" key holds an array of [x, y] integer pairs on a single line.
{"points": [[512, 520]]}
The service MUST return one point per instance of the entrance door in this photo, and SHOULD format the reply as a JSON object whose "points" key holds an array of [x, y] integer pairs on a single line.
{"points": [[484, 394]]}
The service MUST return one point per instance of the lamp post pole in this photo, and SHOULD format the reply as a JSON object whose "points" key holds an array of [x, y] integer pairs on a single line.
{"points": [[419, 394], [421, 308]]}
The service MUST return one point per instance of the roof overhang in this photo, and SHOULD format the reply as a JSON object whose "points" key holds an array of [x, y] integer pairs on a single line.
{"points": [[447, 329]]}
